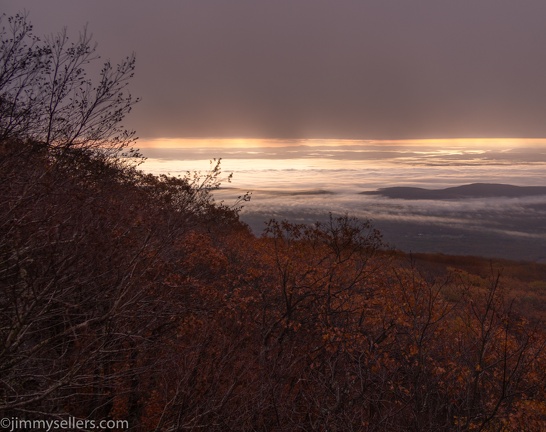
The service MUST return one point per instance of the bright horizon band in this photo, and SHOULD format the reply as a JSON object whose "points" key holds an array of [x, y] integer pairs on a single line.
{"points": [[234, 143]]}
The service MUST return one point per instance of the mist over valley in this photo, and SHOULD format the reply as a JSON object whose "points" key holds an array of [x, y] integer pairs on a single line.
{"points": [[484, 198]]}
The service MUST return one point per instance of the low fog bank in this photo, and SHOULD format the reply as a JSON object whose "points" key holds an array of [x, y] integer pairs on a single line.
{"points": [[487, 240], [304, 183], [512, 228]]}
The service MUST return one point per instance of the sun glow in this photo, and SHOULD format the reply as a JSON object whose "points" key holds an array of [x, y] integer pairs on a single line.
{"points": [[469, 143], [224, 143], [235, 143]]}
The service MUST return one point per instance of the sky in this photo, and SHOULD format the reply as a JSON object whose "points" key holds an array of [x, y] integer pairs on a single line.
{"points": [[318, 69]]}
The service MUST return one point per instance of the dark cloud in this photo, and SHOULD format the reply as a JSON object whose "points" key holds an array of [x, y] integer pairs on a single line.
{"points": [[322, 69]]}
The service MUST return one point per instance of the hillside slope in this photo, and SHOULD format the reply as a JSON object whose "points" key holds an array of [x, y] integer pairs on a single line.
{"points": [[475, 190]]}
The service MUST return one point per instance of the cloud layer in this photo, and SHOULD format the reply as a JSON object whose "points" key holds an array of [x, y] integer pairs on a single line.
{"points": [[305, 182], [321, 69]]}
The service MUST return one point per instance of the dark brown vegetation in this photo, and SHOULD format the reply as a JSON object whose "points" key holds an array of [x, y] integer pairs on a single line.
{"points": [[129, 296]]}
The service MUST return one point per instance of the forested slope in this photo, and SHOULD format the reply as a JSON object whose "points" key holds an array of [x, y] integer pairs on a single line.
{"points": [[129, 296]]}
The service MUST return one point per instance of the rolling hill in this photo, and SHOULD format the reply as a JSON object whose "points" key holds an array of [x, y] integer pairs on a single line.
{"points": [[475, 190]]}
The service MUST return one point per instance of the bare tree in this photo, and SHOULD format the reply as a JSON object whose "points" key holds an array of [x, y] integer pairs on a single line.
{"points": [[69, 287], [47, 96]]}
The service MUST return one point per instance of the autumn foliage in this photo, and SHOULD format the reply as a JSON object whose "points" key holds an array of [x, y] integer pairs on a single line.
{"points": [[136, 297], [129, 296]]}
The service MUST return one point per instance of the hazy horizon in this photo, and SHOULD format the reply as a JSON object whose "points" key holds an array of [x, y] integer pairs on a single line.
{"points": [[304, 183]]}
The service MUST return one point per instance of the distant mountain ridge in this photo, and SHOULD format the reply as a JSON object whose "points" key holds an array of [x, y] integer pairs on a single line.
{"points": [[474, 190]]}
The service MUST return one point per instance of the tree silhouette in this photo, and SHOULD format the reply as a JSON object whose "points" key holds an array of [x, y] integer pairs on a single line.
{"points": [[47, 96]]}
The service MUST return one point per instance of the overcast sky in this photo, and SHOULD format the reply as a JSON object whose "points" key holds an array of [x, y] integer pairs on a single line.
{"points": [[362, 69]]}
